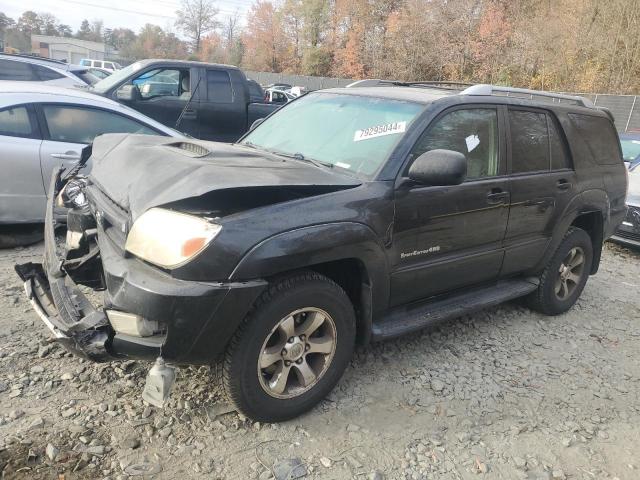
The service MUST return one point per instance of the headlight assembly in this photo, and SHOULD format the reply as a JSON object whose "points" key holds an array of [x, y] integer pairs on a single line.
{"points": [[169, 239]]}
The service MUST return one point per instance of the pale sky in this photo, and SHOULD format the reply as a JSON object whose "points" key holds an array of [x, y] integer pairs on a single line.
{"points": [[116, 13]]}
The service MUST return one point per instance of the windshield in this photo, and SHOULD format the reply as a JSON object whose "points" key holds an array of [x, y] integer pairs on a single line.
{"points": [[116, 77], [630, 149], [351, 132]]}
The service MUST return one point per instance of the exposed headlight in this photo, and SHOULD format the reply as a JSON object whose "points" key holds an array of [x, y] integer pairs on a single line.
{"points": [[169, 239]]}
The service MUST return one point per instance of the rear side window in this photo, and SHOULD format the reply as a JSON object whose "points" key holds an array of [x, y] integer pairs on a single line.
{"points": [[600, 137], [45, 73], [20, 71], [219, 87], [82, 125], [14, 122], [529, 141], [85, 63]]}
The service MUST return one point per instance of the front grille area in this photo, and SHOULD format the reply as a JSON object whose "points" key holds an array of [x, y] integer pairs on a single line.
{"points": [[630, 232], [112, 219], [628, 235], [633, 216]]}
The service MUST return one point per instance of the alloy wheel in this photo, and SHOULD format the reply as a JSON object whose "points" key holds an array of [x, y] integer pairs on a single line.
{"points": [[570, 273], [297, 353]]}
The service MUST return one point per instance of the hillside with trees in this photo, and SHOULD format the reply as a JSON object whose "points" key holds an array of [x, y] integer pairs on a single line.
{"points": [[571, 45]]}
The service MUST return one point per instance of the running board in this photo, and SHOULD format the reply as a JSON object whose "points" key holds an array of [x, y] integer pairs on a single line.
{"points": [[416, 316]]}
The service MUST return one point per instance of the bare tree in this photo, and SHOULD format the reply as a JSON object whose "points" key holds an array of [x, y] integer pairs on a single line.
{"points": [[196, 18]]}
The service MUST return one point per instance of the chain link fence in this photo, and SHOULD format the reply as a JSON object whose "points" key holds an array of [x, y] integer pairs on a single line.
{"points": [[625, 108]]}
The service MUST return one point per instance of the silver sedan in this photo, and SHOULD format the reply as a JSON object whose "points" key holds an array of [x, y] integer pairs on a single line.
{"points": [[42, 127]]}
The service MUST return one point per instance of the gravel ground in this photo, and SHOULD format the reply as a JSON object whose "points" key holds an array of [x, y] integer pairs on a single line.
{"points": [[505, 393]]}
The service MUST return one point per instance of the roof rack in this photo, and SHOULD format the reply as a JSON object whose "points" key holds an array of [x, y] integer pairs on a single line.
{"points": [[487, 90], [370, 82], [37, 57]]}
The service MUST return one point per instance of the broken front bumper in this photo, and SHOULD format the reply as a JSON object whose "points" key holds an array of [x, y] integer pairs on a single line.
{"points": [[60, 304], [198, 318]]}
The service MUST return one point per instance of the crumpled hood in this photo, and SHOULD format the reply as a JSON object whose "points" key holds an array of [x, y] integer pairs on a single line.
{"points": [[142, 171]]}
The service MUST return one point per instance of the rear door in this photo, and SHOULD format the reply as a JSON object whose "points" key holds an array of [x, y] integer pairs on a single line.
{"points": [[542, 182], [223, 109], [451, 237], [68, 128], [22, 197]]}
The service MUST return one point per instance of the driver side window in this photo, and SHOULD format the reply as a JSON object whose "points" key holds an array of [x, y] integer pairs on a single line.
{"points": [[472, 132], [164, 82]]}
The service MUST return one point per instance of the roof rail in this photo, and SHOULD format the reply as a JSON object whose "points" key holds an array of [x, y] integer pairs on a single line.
{"points": [[487, 90], [370, 82], [35, 56]]}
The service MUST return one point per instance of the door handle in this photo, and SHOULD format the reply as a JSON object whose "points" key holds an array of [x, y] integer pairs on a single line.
{"points": [[563, 184], [497, 195], [66, 156], [189, 113], [533, 203]]}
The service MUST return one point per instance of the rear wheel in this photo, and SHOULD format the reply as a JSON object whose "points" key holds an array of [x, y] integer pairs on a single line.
{"points": [[291, 349], [565, 275]]}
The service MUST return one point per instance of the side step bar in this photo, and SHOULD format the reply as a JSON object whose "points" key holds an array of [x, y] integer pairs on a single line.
{"points": [[417, 316]]}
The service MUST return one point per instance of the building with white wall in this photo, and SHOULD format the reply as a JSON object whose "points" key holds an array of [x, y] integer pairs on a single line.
{"points": [[69, 49]]}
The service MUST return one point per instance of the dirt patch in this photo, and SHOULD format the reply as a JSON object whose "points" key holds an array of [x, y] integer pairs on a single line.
{"points": [[505, 393]]}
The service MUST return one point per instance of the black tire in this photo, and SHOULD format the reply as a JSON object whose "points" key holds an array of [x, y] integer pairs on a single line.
{"points": [[239, 369], [545, 299]]}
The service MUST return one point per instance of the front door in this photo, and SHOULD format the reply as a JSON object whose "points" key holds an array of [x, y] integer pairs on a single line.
{"points": [[165, 93], [451, 237]]}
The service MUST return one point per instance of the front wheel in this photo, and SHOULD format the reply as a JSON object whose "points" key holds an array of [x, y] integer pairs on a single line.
{"points": [[565, 275], [291, 349]]}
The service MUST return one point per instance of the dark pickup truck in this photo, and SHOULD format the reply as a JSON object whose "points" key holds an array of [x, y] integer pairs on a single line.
{"points": [[204, 100]]}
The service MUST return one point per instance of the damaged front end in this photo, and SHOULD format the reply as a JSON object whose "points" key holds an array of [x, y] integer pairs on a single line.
{"points": [[54, 295]]}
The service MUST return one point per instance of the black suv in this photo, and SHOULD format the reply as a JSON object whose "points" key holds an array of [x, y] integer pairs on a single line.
{"points": [[350, 215]]}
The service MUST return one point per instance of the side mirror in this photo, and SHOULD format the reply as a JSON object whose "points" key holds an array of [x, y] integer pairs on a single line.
{"points": [[439, 168], [127, 93], [256, 124]]}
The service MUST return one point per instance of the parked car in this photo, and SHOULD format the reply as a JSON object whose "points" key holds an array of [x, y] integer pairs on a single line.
{"points": [[628, 232], [42, 128], [630, 148], [99, 73], [279, 86], [105, 64], [204, 100], [273, 95], [297, 91], [27, 68], [391, 208]]}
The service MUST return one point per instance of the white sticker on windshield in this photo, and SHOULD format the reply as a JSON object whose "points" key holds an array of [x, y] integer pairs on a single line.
{"points": [[343, 165], [472, 142], [635, 141], [380, 131]]}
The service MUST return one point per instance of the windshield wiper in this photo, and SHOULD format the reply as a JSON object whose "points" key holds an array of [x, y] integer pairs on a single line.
{"points": [[302, 158], [295, 156]]}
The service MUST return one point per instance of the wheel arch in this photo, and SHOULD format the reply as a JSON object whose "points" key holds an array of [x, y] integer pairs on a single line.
{"points": [[348, 253], [588, 211]]}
